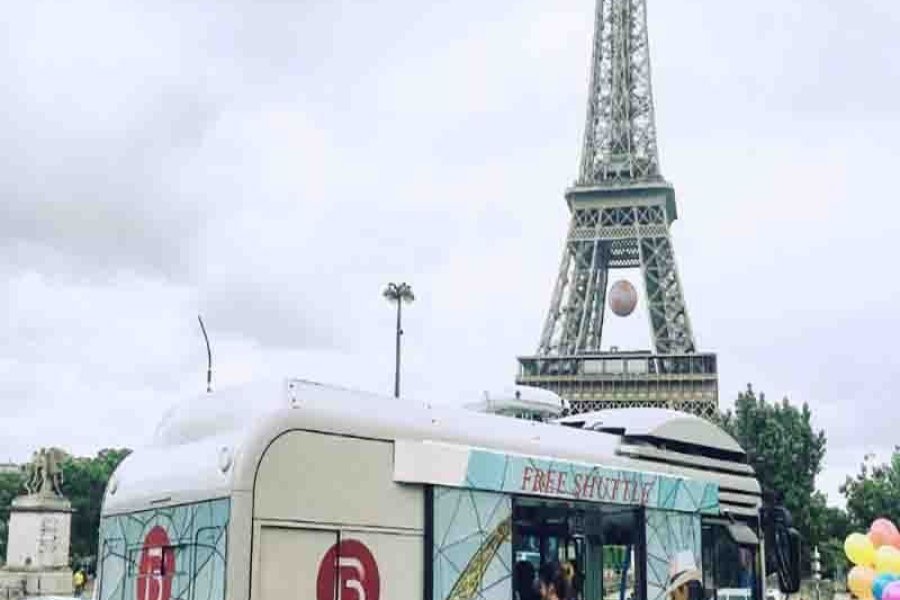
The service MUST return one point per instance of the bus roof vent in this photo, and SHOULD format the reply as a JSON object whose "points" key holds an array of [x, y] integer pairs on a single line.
{"points": [[523, 402], [663, 428], [680, 442]]}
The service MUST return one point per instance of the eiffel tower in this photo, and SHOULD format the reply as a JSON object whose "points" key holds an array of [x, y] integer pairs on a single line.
{"points": [[621, 209]]}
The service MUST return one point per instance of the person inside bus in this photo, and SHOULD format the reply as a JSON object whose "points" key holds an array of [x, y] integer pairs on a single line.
{"points": [[685, 579], [552, 583], [525, 584], [746, 577]]}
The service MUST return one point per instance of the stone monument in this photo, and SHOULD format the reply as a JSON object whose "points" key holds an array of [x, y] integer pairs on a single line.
{"points": [[37, 551]]}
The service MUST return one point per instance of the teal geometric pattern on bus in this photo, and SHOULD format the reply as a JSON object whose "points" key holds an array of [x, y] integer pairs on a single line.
{"points": [[687, 495], [668, 533], [522, 475], [197, 535], [472, 558]]}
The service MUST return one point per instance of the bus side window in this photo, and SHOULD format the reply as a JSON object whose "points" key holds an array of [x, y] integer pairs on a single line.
{"points": [[598, 548]]}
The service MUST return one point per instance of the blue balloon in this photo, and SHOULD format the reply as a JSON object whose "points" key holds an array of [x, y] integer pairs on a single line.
{"points": [[881, 582]]}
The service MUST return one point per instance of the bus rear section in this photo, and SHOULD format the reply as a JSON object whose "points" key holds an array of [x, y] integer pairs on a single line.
{"points": [[330, 522], [165, 553]]}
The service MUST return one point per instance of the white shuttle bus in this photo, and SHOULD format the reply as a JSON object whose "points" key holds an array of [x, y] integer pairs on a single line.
{"points": [[306, 492]]}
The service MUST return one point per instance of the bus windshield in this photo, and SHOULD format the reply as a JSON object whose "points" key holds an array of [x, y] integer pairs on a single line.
{"points": [[730, 570]]}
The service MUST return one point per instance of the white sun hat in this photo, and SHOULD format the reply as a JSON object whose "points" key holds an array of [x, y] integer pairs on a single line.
{"points": [[682, 569]]}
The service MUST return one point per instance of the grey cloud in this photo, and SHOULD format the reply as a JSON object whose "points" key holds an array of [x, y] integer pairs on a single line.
{"points": [[96, 112], [273, 164]]}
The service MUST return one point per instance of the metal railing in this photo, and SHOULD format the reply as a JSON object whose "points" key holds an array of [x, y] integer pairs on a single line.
{"points": [[640, 365]]}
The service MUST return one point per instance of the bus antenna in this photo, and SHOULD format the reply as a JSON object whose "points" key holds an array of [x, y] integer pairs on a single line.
{"points": [[208, 356]]}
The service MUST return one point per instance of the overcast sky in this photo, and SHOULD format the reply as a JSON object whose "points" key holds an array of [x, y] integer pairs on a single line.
{"points": [[274, 164]]}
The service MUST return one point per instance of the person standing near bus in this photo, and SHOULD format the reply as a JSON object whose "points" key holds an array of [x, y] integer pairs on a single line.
{"points": [[552, 583], [746, 577], [524, 581], [685, 579], [570, 572], [78, 580]]}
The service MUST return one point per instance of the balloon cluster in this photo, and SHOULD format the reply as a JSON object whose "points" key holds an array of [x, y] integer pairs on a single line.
{"points": [[876, 557]]}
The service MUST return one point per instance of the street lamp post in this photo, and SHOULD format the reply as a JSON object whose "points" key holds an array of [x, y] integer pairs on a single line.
{"points": [[399, 293], [816, 569]]}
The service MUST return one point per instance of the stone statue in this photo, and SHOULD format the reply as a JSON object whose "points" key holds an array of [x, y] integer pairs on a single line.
{"points": [[43, 475], [39, 530]]}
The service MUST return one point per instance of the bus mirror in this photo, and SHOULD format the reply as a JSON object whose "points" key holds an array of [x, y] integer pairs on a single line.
{"points": [[782, 546], [787, 557]]}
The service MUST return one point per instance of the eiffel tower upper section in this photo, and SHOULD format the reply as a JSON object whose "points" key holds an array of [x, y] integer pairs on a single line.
{"points": [[621, 212], [620, 131]]}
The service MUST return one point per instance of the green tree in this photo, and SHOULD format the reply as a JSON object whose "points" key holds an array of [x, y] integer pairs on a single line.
{"points": [[84, 482], [874, 492], [786, 453], [831, 526]]}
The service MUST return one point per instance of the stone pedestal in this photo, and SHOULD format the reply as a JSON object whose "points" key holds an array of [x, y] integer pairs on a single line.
{"points": [[37, 552]]}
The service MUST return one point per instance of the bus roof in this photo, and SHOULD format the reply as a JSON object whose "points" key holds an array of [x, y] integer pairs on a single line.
{"points": [[210, 446]]}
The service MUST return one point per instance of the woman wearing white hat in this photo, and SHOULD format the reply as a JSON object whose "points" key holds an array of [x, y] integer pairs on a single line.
{"points": [[685, 579]]}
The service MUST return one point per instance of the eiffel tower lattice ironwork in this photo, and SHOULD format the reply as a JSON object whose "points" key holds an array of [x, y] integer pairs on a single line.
{"points": [[622, 209]]}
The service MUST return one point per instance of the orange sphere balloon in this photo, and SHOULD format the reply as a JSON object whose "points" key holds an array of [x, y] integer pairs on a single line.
{"points": [[622, 298], [882, 533], [894, 540], [860, 580]]}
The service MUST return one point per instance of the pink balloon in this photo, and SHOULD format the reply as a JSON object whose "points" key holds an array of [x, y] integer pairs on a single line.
{"points": [[892, 591], [883, 532]]}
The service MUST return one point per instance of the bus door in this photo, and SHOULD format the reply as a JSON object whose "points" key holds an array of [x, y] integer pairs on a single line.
{"points": [[348, 564], [548, 532], [612, 570], [289, 563], [731, 562]]}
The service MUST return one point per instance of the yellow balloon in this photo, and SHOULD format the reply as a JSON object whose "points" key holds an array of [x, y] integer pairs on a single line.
{"points": [[887, 561], [860, 550], [859, 581]]}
